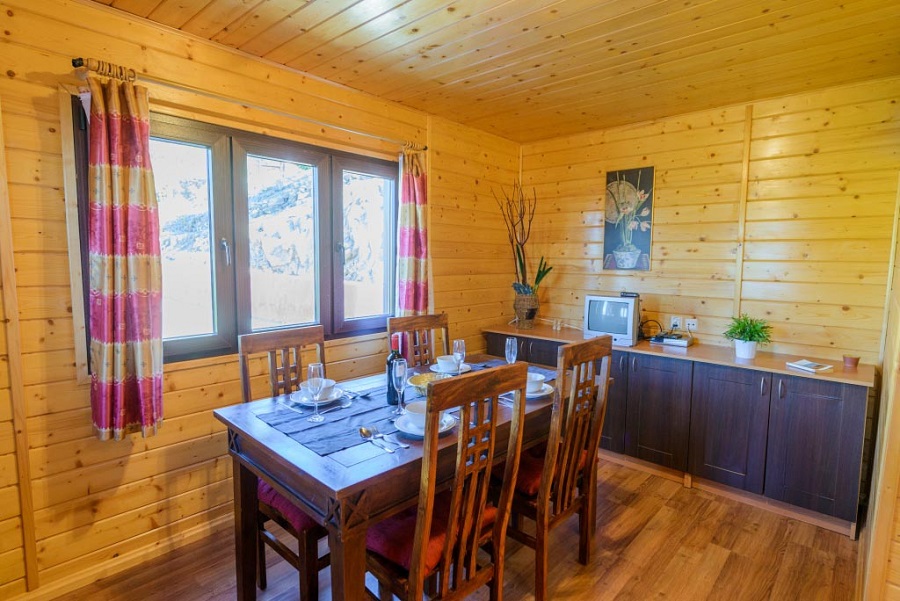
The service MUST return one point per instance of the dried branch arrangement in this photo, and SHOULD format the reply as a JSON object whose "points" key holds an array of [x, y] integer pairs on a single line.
{"points": [[518, 210]]}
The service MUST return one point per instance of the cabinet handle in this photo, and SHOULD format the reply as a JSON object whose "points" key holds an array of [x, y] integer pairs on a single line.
{"points": [[622, 363], [762, 386], [780, 388], [634, 364]]}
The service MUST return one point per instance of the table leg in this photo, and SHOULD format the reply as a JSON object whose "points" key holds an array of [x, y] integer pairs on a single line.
{"points": [[245, 508], [348, 564]]}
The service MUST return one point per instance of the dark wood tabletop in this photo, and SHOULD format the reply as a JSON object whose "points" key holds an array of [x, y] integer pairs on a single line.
{"points": [[346, 491]]}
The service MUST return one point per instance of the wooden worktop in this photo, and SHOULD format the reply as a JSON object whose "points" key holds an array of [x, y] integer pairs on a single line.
{"points": [[862, 375]]}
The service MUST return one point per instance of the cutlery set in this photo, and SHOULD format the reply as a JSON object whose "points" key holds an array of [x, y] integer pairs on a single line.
{"points": [[371, 434]]}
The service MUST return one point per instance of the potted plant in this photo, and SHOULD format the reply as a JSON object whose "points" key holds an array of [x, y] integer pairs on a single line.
{"points": [[518, 212], [747, 332]]}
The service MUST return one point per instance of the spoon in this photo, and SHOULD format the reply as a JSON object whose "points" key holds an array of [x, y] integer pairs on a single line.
{"points": [[377, 434], [369, 436]]}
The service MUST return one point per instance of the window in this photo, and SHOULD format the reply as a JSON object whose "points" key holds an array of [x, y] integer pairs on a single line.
{"points": [[259, 233]]}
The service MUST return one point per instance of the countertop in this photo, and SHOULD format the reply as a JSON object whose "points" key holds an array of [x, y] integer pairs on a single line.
{"points": [[862, 375]]}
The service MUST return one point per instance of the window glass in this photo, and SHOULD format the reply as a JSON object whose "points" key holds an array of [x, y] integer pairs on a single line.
{"points": [[182, 173], [281, 204], [366, 209]]}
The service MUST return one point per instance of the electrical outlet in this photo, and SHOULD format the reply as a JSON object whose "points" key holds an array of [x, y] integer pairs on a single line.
{"points": [[691, 324], [675, 322]]}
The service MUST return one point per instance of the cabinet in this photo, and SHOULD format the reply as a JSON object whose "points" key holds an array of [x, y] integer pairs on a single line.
{"points": [[658, 410], [613, 436], [729, 424], [533, 350], [796, 439], [814, 449]]}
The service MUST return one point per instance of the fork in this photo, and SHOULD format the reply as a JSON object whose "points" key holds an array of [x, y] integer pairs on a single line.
{"points": [[377, 434]]}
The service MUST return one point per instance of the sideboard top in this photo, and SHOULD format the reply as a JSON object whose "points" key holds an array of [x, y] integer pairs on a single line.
{"points": [[863, 375]]}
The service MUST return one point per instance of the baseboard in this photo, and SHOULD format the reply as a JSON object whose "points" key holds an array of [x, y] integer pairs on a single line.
{"points": [[56, 590]]}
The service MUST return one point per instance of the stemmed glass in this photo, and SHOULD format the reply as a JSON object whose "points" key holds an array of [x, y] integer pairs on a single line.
{"points": [[315, 381], [459, 353], [512, 349], [398, 379]]}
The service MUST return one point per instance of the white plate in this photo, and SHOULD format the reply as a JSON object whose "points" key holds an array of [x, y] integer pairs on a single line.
{"points": [[300, 397], [544, 391], [406, 427], [462, 369]]}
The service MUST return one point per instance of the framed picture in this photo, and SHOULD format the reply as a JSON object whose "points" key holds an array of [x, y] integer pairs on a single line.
{"points": [[629, 219]]}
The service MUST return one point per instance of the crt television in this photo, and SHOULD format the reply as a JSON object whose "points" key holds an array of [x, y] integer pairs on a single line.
{"points": [[618, 316]]}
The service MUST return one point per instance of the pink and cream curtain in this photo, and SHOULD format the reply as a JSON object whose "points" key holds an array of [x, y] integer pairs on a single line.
{"points": [[412, 244], [125, 271]]}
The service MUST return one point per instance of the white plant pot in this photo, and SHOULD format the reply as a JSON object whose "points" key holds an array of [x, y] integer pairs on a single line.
{"points": [[744, 349]]}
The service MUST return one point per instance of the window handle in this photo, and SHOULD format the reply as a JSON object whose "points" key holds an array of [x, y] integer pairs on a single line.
{"points": [[224, 244]]}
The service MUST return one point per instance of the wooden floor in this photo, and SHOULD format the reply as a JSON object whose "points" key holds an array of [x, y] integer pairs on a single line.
{"points": [[655, 540]]}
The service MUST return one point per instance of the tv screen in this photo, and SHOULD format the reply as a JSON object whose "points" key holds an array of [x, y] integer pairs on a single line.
{"points": [[608, 316]]}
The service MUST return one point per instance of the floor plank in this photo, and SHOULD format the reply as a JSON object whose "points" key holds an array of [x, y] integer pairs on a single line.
{"points": [[655, 540]]}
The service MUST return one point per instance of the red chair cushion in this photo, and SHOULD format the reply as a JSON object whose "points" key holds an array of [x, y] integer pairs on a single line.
{"points": [[393, 538], [295, 516], [531, 468]]}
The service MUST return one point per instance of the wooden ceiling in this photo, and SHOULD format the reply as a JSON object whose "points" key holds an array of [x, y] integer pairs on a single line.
{"points": [[536, 69]]}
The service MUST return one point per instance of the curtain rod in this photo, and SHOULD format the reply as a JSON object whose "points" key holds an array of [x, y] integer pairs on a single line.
{"points": [[111, 70]]}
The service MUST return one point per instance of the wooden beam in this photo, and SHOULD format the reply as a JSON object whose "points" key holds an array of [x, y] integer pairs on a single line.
{"points": [[17, 391], [742, 211]]}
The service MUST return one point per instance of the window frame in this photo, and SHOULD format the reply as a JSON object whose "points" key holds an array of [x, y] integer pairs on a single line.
{"points": [[229, 225]]}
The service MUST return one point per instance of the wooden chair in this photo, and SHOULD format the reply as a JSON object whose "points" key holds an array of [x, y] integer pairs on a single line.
{"points": [[284, 348], [455, 539], [419, 337], [553, 486]]}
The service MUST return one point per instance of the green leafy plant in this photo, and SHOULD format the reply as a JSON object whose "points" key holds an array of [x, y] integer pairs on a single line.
{"points": [[518, 210], [749, 329]]}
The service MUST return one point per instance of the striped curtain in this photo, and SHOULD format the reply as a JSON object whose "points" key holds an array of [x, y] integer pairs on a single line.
{"points": [[125, 272], [412, 243]]}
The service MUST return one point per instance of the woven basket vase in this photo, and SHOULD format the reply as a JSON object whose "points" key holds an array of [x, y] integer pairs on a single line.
{"points": [[526, 307]]}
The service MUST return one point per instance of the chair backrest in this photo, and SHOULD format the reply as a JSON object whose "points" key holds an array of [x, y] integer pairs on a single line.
{"points": [[582, 374], [477, 395], [284, 348], [419, 337]]}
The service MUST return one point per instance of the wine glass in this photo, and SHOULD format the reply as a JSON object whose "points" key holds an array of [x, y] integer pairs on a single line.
{"points": [[459, 353], [398, 379], [315, 381], [512, 349]]}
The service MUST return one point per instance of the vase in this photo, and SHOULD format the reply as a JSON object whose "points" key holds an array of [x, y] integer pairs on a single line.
{"points": [[526, 306], [627, 257], [744, 349]]}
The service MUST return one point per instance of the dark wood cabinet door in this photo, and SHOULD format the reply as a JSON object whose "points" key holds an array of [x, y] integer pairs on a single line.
{"points": [[658, 411], [815, 444], [543, 352], [613, 436], [729, 422]]}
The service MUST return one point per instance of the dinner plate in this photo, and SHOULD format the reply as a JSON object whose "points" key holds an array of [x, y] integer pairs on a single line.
{"points": [[544, 391], [300, 398], [404, 425], [462, 369]]}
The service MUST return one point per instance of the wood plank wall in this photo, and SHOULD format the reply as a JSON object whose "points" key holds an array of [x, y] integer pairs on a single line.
{"points": [[100, 507], [809, 249], [472, 261]]}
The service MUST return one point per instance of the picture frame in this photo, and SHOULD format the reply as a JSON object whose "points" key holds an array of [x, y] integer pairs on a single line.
{"points": [[628, 219]]}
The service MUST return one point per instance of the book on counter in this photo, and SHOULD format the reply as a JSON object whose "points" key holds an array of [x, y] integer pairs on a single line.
{"points": [[810, 366]]}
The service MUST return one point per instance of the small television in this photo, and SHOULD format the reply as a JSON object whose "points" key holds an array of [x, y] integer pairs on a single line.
{"points": [[618, 316]]}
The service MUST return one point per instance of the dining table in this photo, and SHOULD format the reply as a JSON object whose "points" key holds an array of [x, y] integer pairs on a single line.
{"points": [[343, 481]]}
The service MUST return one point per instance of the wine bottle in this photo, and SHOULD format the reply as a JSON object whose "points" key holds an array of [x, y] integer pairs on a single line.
{"points": [[394, 355]]}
